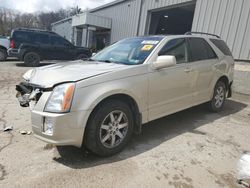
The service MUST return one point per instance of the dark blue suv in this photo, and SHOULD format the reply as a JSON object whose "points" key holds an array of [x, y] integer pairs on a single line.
{"points": [[32, 46]]}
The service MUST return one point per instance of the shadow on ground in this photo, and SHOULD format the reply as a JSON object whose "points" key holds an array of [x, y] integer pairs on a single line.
{"points": [[45, 62], [21, 64], [153, 134]]}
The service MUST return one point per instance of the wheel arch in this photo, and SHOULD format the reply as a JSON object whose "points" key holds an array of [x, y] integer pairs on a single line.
{"points": [[225, 80], [4, 48], [30, 50], [133, 104]]}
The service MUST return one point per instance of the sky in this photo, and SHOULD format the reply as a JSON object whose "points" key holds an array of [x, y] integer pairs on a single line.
{"points": [[32, 6]]}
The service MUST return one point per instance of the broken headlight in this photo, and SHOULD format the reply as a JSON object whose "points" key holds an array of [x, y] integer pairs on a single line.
{"points": [[61, 98]]}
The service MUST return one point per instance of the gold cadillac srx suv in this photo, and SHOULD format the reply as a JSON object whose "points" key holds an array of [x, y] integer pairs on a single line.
{"points": [[99, 102]]}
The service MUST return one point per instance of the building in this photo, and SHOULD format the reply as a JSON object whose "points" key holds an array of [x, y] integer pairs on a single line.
{"points": [[109, 23]]}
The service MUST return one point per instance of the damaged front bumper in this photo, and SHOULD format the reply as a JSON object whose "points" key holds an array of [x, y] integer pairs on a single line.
{"points": [[27, 93], [54, 128]]}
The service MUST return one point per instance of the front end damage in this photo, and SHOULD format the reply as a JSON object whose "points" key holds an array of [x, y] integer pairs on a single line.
{"points": [[62, 128], [28, 94]]}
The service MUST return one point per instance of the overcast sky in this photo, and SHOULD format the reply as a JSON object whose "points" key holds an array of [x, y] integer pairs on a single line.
{"points": [[31, 6]]}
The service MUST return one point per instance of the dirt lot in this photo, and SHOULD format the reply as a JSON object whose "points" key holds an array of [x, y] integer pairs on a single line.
{"points": [[193, 148]]}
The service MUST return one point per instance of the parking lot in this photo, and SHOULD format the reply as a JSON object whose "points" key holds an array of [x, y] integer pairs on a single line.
{"points": [[192, 148]]}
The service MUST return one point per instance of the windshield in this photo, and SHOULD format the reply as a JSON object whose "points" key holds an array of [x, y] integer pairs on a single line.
{"points": [[130, 51]]}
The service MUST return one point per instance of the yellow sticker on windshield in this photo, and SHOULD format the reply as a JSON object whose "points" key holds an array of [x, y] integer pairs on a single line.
{"points": [[147, 47]]}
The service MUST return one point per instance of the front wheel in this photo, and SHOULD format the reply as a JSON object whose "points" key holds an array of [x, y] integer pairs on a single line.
{"points": [[109, 129], [219, 97]]}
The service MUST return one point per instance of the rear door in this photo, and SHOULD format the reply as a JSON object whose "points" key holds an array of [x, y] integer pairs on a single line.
{"points": [[45, 48], [202, 61]]}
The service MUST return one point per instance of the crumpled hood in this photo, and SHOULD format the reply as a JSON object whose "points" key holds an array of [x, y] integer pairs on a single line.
{"points": [[48, 76]]}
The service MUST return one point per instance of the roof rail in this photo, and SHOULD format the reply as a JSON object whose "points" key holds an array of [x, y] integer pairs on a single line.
{"points": [[32, 29], [191, 32]]}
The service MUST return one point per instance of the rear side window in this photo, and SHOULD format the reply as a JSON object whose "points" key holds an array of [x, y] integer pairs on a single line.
{"points": [[21, 36], [222, 46], [177, 48], [42, 38], [200, 50]]}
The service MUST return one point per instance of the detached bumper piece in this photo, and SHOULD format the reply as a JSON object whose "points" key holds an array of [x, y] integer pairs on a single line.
{"points": [[26, 93]]}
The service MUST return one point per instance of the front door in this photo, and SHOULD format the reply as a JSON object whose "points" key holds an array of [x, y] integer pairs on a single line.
{"points": [[171, 89], [61, 49]]}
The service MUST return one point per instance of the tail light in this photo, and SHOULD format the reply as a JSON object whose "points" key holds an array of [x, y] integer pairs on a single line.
{"points": [[12, 44]]}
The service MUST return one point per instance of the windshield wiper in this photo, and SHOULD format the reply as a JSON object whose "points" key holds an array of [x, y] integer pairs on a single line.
{"points": [[116, 62], [106, 61]]}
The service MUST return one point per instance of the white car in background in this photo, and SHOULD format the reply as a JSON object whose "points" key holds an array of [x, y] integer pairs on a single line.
{"points": [[4, 46], [98, 103]]}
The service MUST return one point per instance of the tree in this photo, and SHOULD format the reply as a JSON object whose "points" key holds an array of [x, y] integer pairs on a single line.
{"points": [[46, 19], [10, 19], [76, 10]]}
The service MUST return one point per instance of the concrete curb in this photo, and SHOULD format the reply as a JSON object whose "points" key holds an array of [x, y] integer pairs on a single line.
{"points": [[242, 78]]}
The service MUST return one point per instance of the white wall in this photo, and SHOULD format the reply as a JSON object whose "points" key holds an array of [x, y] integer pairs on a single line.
{"points": [[64, 29], [229, 19]]}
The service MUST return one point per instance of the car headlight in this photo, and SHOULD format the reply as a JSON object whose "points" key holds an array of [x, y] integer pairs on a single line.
{"points": [[61, 98]]}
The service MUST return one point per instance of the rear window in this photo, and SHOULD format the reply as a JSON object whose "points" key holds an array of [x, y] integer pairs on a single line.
{"points": [[222, 46], [21, 36], [200, 50]]}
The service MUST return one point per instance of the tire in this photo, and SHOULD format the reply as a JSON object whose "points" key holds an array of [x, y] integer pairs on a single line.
{"points": [[109, 128], [217, 102], [82, 56], [31, 59], [3, 55]]}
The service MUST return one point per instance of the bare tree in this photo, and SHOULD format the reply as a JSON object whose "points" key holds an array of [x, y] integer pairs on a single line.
{"points": [[76, 10], [46, 19], [10, 19]]}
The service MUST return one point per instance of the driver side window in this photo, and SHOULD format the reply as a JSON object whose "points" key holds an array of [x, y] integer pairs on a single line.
{"points": [[177, 48]]}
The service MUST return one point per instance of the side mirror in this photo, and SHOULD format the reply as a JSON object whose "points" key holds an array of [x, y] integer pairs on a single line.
{"points": [[93, 54], [164, 61]]}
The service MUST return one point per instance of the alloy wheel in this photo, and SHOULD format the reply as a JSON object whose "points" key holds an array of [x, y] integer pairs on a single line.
{"points": [[219, 97], [114, 129]]}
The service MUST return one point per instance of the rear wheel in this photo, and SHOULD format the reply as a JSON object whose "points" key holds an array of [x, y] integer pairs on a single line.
{"points": [[31, 59], [3, 55], [109, 129], [82, 56], [219, 97]]}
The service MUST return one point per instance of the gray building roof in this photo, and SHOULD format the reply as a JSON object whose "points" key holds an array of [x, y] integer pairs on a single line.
{"points": [[107, 5]]}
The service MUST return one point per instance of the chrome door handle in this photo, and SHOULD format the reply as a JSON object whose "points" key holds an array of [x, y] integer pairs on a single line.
{"points": [[187, 70]]}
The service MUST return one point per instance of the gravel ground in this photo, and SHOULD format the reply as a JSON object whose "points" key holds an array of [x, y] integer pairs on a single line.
{"points": [[189, 149]]}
